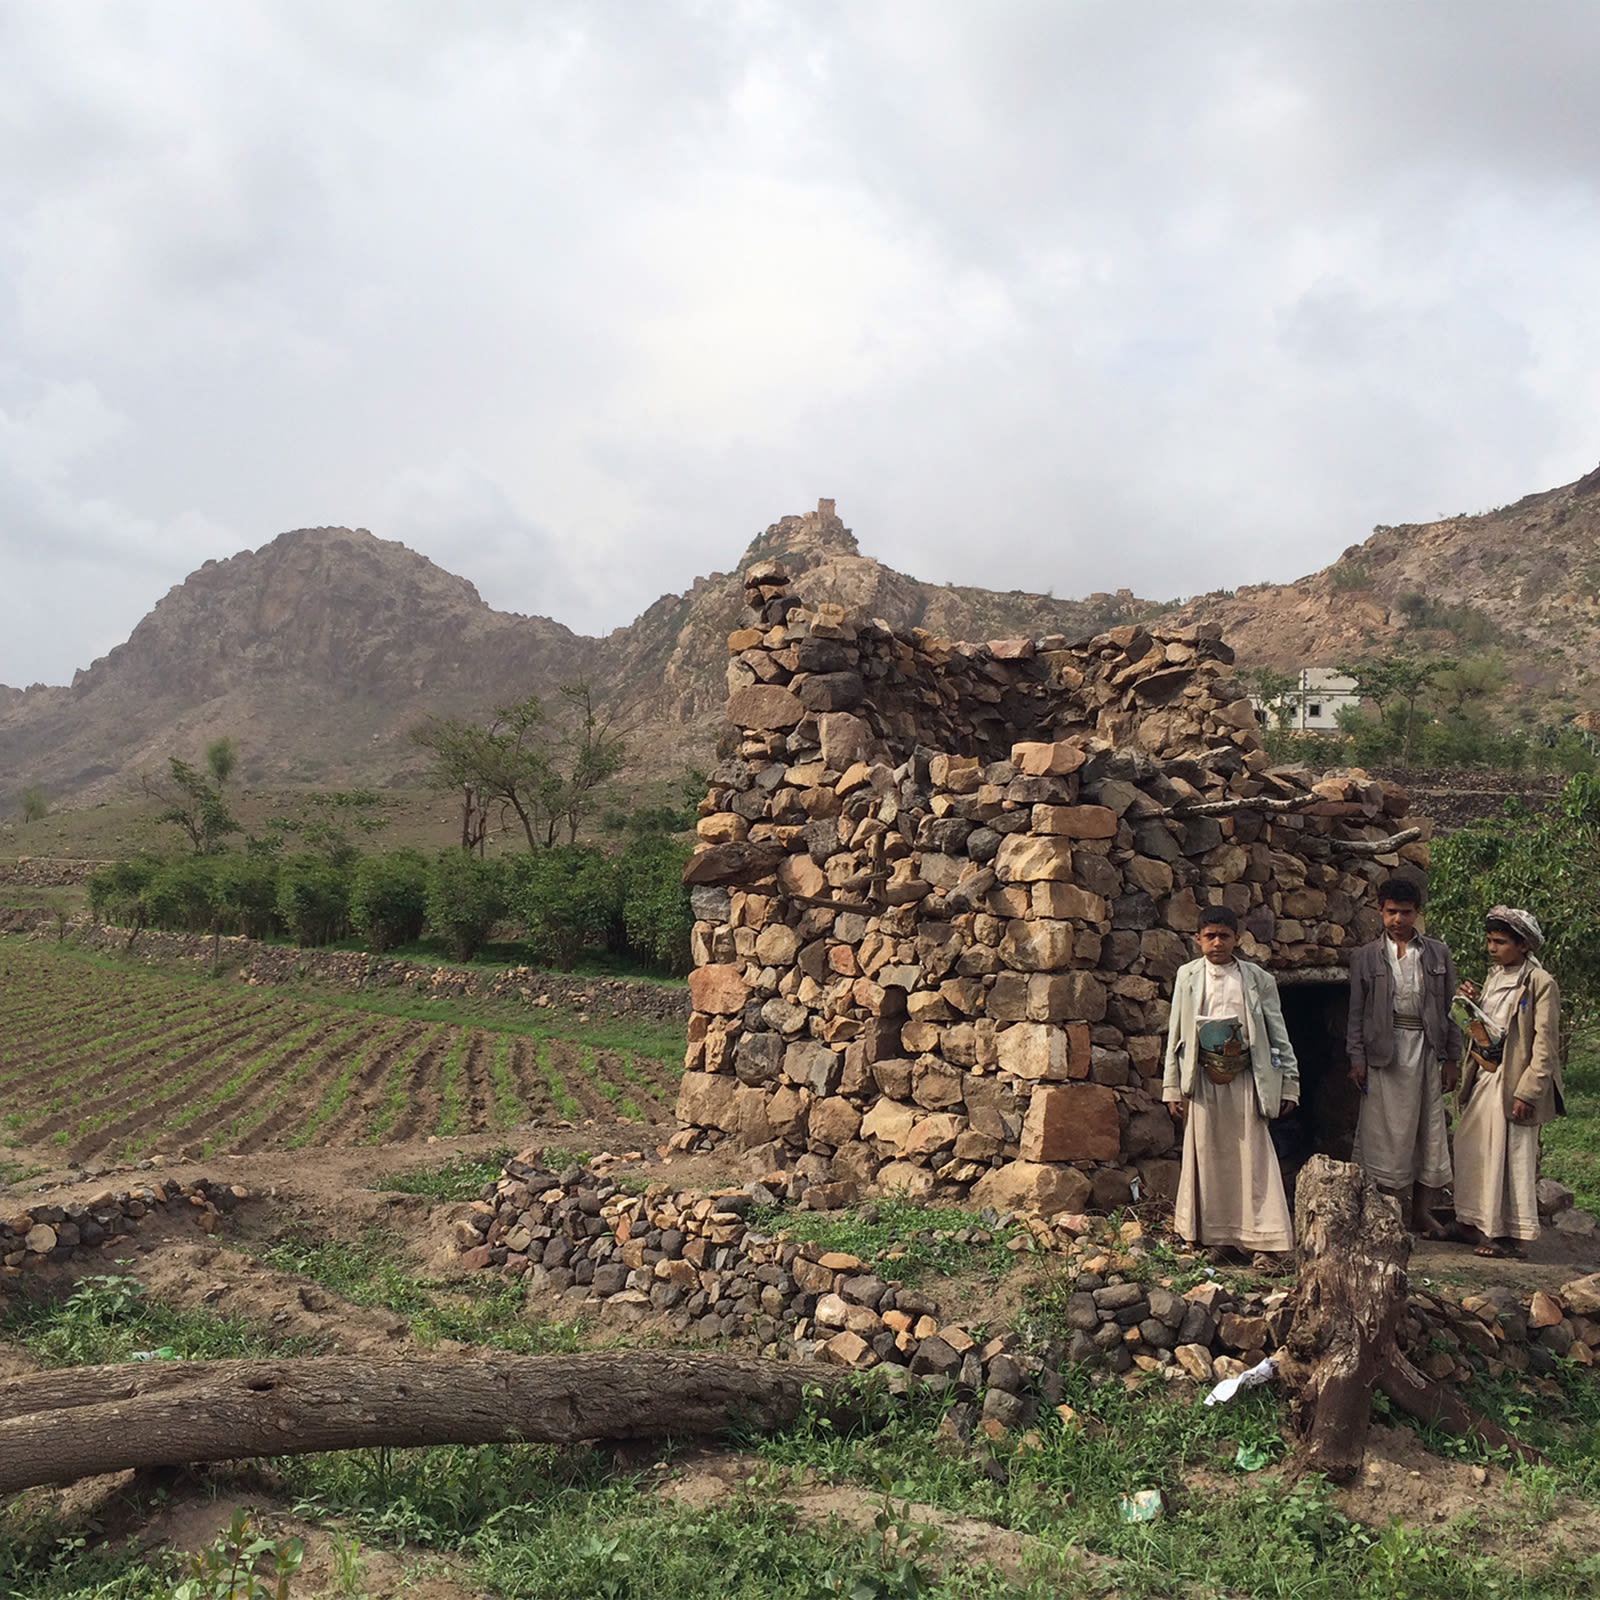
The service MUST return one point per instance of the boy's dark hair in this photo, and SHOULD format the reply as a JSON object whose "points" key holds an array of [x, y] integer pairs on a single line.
{"points": [[1403, 891], [1219, 917]]}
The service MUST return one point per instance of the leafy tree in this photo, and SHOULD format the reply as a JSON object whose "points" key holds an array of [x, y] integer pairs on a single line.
{"points": [[465, 900], [35, 806], [181, 897], [1395, 684], [1467, 683], [245, 890], [321, 824], [1549, 864], [549, 776], [389, 898], [566, 897], [1278, 692], [116, 891], [193, 799], [655, 905], [313, 900]]}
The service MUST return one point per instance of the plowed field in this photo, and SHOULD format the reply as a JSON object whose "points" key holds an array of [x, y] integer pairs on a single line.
{"points": [[110, 1063]]}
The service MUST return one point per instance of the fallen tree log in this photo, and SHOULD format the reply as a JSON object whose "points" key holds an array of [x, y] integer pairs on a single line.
{"points": [[1352, 1250], [74, 1424]]}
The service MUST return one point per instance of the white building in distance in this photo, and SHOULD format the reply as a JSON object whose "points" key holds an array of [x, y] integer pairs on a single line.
{"points": [[1313, 705]]}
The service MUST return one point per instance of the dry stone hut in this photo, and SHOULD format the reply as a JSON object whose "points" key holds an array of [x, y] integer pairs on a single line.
{"points": [[942, 890]]}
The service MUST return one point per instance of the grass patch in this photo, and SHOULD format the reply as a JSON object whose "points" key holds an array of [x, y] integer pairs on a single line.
{"points": [[907, 1241], [1572, 1143], [462, 1177], [109, 1318], [483, 1309]]}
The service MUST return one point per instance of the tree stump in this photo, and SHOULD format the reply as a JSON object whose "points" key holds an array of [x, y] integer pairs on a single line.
{"points": [[1352, 1252]]}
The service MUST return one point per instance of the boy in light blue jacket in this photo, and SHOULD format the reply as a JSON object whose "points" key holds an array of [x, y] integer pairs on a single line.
{"points": [[1230, 1069]]}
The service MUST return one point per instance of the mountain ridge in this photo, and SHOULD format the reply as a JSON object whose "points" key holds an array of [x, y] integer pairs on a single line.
{"points": [[323, 647]]}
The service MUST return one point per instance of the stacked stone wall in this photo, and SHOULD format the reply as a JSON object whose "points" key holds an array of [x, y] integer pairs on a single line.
{"points": [[950, 965]]}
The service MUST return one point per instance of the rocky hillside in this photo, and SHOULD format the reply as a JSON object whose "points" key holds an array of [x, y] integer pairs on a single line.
{"points": [[321, 650], [1522, 581]]}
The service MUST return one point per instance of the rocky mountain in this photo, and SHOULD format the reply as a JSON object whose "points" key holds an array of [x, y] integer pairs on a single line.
{"points": [[1521, 581], [321, 650]]}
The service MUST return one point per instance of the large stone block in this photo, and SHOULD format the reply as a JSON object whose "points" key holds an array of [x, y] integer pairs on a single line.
{"points": [[1071, 1122], [777, 945], [814, 1065], [707, 1100], [936, 1086], [833, 1122], [890, 1122], [1025, 858], [1034, 760], [1066, 997], [1032, 1186], [933, 1133], [764, 706], [1036, 1050], [1063, 900], [1037, 946], [1075, 822], [719, 989]]}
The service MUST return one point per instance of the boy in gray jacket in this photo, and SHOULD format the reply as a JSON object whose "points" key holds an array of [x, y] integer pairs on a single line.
{"points": [[1404, 1050]]}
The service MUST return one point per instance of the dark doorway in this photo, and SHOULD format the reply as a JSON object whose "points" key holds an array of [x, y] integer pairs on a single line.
{"points": [[1330, 1104]]}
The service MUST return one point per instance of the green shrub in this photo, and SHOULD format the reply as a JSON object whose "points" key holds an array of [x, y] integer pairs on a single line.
{"points": [[313, 900], [655, 905], [567, 898], [181, 897], [116, 892], [246, 891], [389, 898], [465, 900]]}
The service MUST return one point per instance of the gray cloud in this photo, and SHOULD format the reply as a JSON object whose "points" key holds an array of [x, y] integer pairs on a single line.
{"points": [[576, 298]]}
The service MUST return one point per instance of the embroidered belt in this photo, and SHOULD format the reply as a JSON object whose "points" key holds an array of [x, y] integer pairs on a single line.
{"points": [[1413, 1023], [1222, 1068]]}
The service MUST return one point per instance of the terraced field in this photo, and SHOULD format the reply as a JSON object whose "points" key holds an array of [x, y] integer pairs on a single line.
{"points": [[102, 1060]]}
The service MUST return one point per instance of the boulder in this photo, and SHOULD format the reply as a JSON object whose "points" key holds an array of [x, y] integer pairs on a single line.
{"points": [[1033, 1187]]}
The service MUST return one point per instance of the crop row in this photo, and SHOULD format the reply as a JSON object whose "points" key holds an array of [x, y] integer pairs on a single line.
{"points": [[106, 1062]]}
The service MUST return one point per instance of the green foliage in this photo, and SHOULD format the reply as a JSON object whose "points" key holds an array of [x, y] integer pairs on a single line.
{"points": [[193, 800], [313, 900], [1278, 692], [389, 898], [1350, 572], [180, 896], [1570, 1146], [1548, 864], [241, 1563], [465, 900], [462, 1177], [108, 1318], [116, 892], [566, 897], [550, 774], [321, 823], [34, 804], [244, 891], [656, 914]]}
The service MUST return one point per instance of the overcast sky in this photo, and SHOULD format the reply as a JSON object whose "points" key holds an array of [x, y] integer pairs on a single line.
{"points": [[576, 298]]}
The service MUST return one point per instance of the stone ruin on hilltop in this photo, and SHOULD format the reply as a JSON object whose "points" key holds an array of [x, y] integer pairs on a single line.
{"points": [[941, 892]]}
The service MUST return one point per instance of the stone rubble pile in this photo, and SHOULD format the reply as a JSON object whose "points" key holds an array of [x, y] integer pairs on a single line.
{"points": [[941, 893], [34, 1237], [693, 1262]]}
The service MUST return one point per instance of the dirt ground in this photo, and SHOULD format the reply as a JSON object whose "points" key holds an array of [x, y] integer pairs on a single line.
{"points": [[340, 1191]]}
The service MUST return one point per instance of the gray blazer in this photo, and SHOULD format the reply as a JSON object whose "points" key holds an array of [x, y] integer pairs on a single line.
{"points": [[1274, 1085], [1369, 1031]]}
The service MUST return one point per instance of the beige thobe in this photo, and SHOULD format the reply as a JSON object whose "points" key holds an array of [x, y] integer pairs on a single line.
{"points": [[1230, 1191], [1403, 1137], [1497, 1160]]}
